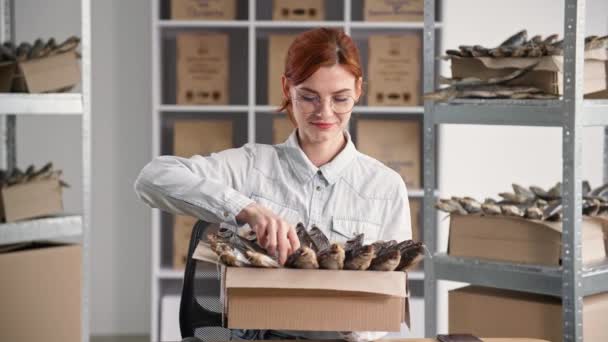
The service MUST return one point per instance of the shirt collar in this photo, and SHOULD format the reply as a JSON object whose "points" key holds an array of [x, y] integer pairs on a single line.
{"points": [[305, 169]]}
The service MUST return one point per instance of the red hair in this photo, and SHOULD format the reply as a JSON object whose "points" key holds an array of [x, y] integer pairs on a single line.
{"points": [[317, 48]]}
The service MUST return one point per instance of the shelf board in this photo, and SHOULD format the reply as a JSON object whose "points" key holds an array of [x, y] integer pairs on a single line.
{"points": [[204, 108], [360, 109], [296, 24], [202, 23], [519, 277], [595, 112], [24, 104], [173, 274], [390, 25], [500, 112], [52, 228], [419, 193]]}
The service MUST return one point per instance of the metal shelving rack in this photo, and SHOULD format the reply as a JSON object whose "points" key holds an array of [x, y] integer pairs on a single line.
{"points": [[571, 281], [14, 105], [166, 280]]}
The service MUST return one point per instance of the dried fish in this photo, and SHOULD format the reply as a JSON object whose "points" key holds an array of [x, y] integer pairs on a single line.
{"points": [[450, 206], [332, 258], [387, 261], [553, 212], [354, 243], [517, 39], [512, 198], [261, 260], [511, 210], [303, 258], [491, 209], [360, 258], [320, 241], [303, 236], [411, 256], [534, 213]]}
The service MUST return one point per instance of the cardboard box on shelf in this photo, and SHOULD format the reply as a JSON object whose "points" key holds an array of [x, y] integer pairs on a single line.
{"points": [[203, 9], [298, 10], [40, 293], [191, 137], [394, 70], [31, 200], [396, 143], [202, 68], [415, 213], [278, 44], [519, 240], [54, 73], [547, 75], [182, 230], [7, 72], [317, 300], [281, 128], [503, 313], [393, 10]]}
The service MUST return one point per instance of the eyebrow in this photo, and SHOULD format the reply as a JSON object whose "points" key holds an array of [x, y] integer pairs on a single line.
{"points": [[335, 92]]}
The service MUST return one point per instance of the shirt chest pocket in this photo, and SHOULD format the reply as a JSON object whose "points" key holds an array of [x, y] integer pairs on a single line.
{"points": [[288, 214], [344, 229]]}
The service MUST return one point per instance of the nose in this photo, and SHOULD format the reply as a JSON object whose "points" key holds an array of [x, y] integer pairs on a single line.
{"points": [[325, 110]]}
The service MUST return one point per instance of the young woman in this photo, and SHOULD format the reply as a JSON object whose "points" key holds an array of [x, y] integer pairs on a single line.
{"points": [[316, 176]]}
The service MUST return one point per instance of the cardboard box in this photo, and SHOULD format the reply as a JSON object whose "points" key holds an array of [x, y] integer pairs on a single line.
{"points": [[40, 294], [396, 143], [503, 313], [599, 95], [519, 240], [319, 300], [278, 45], [281, 128], [202, 68], [203, 9], [203, 137], [394, 70], [54, 73], [393, 10], [547, 75], [32, 199], [416, 216], [311, 300], [182, 230], [7, 72], [298, 10]]}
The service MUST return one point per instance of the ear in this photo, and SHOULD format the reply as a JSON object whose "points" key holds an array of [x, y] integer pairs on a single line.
{"points": [[358, 88], [285, 86]]}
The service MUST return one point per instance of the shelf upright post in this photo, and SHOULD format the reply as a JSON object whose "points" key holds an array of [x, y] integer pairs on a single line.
{"points": [[251, 93], [8, 122], [572, 287], [429, 174]]}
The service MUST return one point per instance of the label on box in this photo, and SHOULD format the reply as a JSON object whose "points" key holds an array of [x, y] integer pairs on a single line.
{"points": [[278, 45], [203, 9], [202, 68], [298, 10], [396, 143], [394, 70], [393, 10]]}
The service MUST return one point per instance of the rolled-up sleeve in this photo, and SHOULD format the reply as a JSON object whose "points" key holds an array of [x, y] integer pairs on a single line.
{"points": [[210, 188], [397, 221]]}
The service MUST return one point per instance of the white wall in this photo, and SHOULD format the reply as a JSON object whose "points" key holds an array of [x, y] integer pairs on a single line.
{"points": [[481, 161], [121, 135]]}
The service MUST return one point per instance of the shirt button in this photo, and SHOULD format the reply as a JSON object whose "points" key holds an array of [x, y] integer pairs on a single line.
{"points": [[319, 172], [226, 214], [318, 188]]}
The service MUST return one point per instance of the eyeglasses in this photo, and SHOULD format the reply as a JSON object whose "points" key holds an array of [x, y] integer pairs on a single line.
{"points": [[309, 104]]}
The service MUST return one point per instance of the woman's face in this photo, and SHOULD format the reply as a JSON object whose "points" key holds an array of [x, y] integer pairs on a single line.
{"points": [[322, 105]]}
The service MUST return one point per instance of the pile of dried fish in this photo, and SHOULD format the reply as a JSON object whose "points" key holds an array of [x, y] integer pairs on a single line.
{"points": [[9, 52], [518, 45], [316, 251], [532, 203], [17, 176]]}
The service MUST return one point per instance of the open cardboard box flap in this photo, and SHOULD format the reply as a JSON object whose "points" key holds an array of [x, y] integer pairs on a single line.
{"points": [[380, 283]]}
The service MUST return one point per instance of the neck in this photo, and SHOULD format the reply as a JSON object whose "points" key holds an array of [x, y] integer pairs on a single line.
{"points": [[323, 152]]}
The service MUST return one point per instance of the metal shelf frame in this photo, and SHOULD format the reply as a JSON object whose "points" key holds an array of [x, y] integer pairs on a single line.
{"points": [[160, 25], [69, 228], [570, 281]]}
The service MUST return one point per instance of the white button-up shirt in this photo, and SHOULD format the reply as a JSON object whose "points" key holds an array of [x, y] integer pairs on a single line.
{"points": [[351, 194]]}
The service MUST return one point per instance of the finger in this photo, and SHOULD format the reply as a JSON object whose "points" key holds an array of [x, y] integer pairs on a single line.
{"points": [[292, 235], [271, 236], [260, 231], [283, 243]]}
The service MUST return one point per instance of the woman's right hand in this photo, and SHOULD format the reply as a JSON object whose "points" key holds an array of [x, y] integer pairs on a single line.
{"points": [[273, 233]]}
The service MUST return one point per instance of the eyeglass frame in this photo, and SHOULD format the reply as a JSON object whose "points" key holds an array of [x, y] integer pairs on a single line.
{"points": [[319, 103]]}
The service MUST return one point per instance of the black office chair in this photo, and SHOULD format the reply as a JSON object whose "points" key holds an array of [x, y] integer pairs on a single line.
{"points": [[200, 307]]}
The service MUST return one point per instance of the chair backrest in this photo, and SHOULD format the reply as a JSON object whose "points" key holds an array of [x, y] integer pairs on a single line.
{"points": [[200, 307]]}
